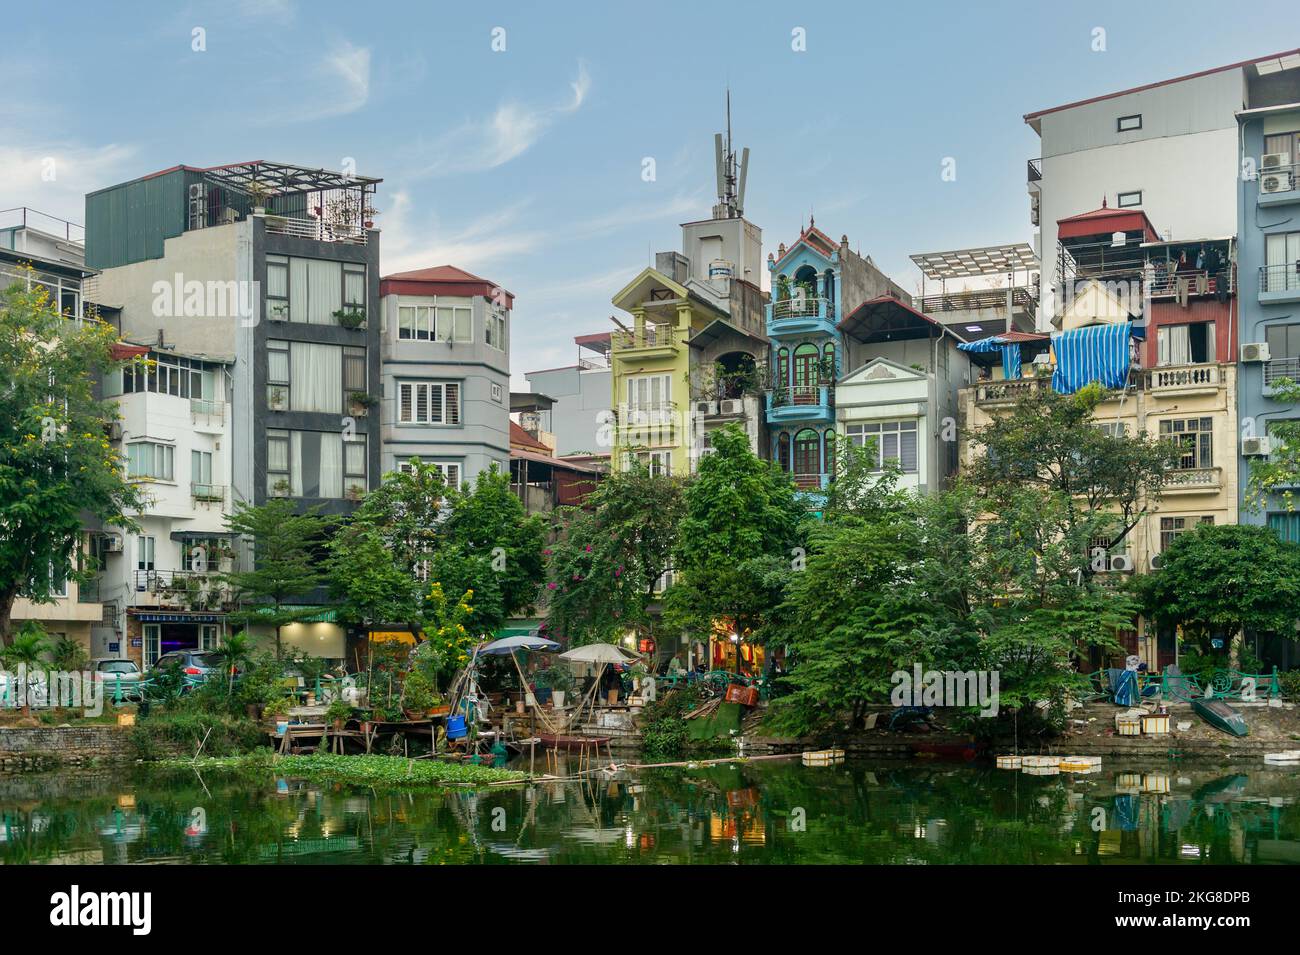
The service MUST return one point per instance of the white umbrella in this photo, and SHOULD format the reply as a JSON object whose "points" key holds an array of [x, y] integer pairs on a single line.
{"points": [[598, 653]]}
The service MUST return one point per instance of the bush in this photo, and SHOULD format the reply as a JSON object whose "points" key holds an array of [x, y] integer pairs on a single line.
{"points": [[663, 725], [1290, 683], [165, 734]]}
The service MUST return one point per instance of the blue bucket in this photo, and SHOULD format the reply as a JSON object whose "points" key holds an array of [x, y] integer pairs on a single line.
{"points": [[456, 727]]}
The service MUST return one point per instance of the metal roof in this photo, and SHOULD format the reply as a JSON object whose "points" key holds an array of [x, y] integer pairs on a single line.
{"points": [[968, 263], [279, 178]]}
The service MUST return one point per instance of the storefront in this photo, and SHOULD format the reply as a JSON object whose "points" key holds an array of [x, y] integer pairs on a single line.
{"points": [[150, 635]]}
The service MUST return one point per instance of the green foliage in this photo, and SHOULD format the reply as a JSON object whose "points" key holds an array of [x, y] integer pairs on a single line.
{"points": [[68, 655], [57, 467], [418, 693], [610, 554], [1278, 473], [163, 734], [28, 647], [664, 732]]}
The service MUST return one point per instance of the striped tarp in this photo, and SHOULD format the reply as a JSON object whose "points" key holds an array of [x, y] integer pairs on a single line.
{"points": [[1010, 352], [1097, 353]]}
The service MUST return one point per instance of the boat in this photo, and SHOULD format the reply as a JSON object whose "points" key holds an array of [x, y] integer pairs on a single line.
{"points": [[1221, 716], [560, 741]]}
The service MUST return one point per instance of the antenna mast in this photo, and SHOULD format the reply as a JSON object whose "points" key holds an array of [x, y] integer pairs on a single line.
{"points": [[730, 179]]}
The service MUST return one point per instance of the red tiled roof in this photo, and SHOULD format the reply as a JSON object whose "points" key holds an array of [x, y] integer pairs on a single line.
{"points": [[520, 437], [1103, 220], [444, 280], [814, 237]]}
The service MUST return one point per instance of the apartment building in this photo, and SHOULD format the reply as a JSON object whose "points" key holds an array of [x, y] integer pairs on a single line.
{"points": [[445, 353], [256, 286], [578, 406]]}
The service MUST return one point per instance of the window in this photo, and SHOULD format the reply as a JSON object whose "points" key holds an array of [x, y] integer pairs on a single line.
{"points": [[1171, 527], [437, 322], [451, 471], [201, 554], [201, 474], [894, 440], [495, 328], [144, 553], [171, 375], [277, 287], [308, 464], [1281, 262], [278, 469], [315, 291], [1111, 429], [354, 286], [1128, 123], [305, 376], [1288, 143], [1128, 200], [648, 393], [1195, 437], [497, 393], [354, 465], [1283, 341], [1183, 344], [145, 459], [428, 402], [658, 463]]}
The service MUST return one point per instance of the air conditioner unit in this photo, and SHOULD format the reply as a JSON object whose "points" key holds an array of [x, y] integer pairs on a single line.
{"points": [[1272, 161], [1254, 351], [1121, 563], [112, 544], [114, 431], [1275, 182], [731, 406], [1256, 447], [1157, 561], [706, 407]]}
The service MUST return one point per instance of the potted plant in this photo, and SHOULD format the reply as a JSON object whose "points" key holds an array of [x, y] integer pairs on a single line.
{"points": [[259, 195], [418, 695], [350, 317], [561, 681], [277, 399], [278, 710], [338, 712], [280, 488], [356, 492], [361, 402], [280, 312]]}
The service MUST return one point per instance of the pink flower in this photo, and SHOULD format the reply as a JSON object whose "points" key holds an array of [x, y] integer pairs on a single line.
{"points": [[550, 586], [547, 552]]}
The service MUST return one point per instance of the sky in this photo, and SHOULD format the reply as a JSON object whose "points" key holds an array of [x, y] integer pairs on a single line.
{"points": [[512, 138]]}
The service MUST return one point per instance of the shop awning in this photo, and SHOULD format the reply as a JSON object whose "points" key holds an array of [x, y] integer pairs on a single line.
{"points": [[1097, 353], [310, 614]]}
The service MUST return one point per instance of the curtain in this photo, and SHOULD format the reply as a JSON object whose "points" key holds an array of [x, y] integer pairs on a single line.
{"points": [[1174, 345], [298, 290], [295, 458], [331, 465], [324, 291], [316, 377]]}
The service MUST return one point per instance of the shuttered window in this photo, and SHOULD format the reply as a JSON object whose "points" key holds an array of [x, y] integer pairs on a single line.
{"points": [[428, 402]]}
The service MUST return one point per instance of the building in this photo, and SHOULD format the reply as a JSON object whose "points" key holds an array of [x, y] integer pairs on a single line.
{"points": [[1268, 263], [445, 349], [579, 410], [266, 275], [39, 249], [689, 360], [997, 289], [815, 283], [539, 477], [900, 394], [1169, 148]]}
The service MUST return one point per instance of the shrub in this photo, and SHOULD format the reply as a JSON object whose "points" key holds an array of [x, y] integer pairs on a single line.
{"points": [[164, 734]]}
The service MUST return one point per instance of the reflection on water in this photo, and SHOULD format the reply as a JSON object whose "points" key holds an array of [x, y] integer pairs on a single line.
{"points": [[766, 812]]}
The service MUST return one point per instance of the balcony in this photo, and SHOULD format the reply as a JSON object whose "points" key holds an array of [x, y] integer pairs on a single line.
{"points": [[1008, 392], [208, 493], [1279, 185], [801, 316], [650, 341], [1279, 369], [971, 302], [805, 403], [186, 589], [1034, 173], [1183, 380], [811, 482], [648, 425], [319, 230], [1194, 481], [1279, 283]]}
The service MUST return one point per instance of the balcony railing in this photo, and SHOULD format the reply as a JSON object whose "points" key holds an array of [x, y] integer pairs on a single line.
{"points": [[212, 493], [810, 306], [174, 588], [803, 395], [208, 406], [1182, 377], [1280, 278], [1035, 171], [1194, 479], [317, 229], [810, 482], [1279, 368], [1010, 390], [651, 336], [970, 300]]}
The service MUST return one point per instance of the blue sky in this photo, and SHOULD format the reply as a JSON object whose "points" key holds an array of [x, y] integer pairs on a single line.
{"points": [[524, 166]]}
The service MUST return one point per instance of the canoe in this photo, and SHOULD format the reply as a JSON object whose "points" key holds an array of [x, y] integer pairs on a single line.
{"points": [[1221, 716]]}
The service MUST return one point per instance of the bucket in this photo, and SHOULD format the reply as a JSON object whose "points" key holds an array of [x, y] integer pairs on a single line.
{"points": [[455, 727]]}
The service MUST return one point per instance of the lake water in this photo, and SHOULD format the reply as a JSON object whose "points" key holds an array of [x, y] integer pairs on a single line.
{"points": [[762, 812]]}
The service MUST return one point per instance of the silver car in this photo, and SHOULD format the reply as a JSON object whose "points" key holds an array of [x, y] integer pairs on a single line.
{"points": [[118, 675]]}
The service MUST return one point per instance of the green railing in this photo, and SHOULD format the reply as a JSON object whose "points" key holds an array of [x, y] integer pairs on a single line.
{"points": [[1217, 684]]}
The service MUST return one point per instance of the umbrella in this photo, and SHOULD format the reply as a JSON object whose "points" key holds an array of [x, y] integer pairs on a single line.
{"points": [[598, 653], [510, 644]]}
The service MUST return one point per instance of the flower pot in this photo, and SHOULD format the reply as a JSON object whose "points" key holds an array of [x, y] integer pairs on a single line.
{"points": [[557, 698], [519, 706], [542, 694]]}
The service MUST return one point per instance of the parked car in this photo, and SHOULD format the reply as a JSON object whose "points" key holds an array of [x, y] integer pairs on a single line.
{"points": [[197, 665], [115, 674]]}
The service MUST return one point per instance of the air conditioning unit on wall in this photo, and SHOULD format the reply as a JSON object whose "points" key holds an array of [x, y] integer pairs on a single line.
{"points": [[1254, 351], [1256, 447], [1275, 181], [1157, 561], [1273, 161], [1121, 563], [731, 406], [706, 407]]}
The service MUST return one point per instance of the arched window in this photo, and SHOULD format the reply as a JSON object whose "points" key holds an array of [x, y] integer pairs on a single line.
{"points": [[828, 456], [807, 453], [805, 373], [783, 450], [831, 369], [783, 367], [828, 291]]}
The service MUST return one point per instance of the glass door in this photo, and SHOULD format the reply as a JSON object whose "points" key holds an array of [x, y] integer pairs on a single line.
{"points": [[152, 644]]}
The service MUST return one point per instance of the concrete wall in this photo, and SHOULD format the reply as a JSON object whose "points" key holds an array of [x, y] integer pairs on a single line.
{"points": [[581, 396]]}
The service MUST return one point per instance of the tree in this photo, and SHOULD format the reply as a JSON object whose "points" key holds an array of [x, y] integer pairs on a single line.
{"points": [[286, 549], [1279, 472], [737, 539], [488, 544], [57, 466], [235, 652], [610, 554], [23, 653], [1227, 577]]}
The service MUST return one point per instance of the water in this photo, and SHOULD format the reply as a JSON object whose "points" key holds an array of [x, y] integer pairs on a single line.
{"points": [[765, 812]]}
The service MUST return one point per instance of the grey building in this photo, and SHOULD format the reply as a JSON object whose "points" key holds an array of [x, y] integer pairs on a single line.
{"points": [[580, 394], [446, 372]]}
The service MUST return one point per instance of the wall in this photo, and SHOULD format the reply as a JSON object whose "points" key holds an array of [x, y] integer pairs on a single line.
{"points": [[67, 744], [581, 396], [313, 639]]}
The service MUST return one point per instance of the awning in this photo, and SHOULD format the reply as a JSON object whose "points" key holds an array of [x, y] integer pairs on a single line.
{"points": [[177, 617], [1097, 353], [995, 343], [311, 614], [202, 535]]}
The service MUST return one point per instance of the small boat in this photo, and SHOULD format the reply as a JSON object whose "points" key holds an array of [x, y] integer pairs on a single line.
{"points": [[1221, 716]]}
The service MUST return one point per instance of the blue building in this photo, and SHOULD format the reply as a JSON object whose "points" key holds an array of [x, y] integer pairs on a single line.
{"points": [[815, 282], [1268, 267]]}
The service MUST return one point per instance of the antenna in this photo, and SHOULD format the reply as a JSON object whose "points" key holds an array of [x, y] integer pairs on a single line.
{"points": [[731, 185]]}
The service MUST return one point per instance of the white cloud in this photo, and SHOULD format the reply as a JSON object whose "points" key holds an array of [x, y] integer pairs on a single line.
{"points": [[509, 132], [488, 240], [55, 177], [340, 84]]}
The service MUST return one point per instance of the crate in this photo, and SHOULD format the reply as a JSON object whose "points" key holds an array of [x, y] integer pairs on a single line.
{"points": [[1155, 725], [1009, 762], [822, 757], [1128, 725], [744, 695]]}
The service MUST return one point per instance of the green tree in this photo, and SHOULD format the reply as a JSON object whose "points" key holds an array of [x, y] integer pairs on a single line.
{"points": [[737, 542], [1279, 472], [610, 554], [287, 550], [26, 650], [1229, 578], [57, 467], [235, 653]]}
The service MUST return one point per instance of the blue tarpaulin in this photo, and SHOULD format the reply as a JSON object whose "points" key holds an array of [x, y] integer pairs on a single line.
{"points": [[994, 343], [1097, 353], [1125, 685]]}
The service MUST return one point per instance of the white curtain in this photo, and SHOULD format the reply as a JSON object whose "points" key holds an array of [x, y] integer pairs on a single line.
{"points": [[316, 377], [298, 290], [331, 465], [295, 463], [1174, 345], [324, 291]]}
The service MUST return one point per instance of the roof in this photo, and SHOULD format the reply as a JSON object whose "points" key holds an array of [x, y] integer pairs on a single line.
{"points": [[530, 401], [276, 178], [1104, 220], [711, 332], [442, 280], [886, 317], [594, 341], [985, 260], [813, 237], [1283, 59], [563, 464], [518, 436]]}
